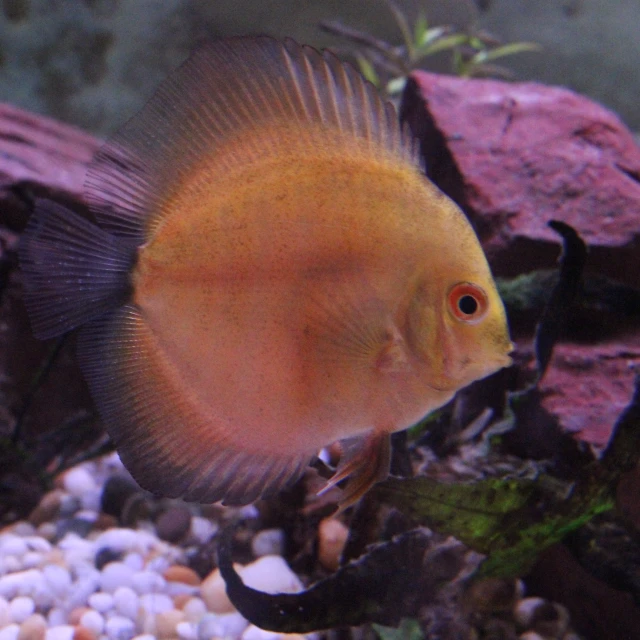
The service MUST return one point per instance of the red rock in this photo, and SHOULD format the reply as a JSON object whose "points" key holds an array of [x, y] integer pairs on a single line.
{"points": [[516, 155], [587, 387]]}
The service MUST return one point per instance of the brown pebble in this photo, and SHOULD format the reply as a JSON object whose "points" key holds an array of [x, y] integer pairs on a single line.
{"points": [[104, 521], [492, 595], [47, 509], [173, 524], [180, 573], [181, 599], [75, 614], [332, 537], [33, 628], [82, 633], [166, 623]]}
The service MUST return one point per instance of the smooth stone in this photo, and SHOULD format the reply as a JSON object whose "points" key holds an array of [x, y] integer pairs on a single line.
{"points": [[78, 481], [21, 608], [58, 578], [38, 543], [524, 610], [82, 633], [332, 538], [214, 592], [32, 559], [268, 542], [119, 628], [230, 625], [134, 560], [33, 628], [12, 545], [126, 602], [60, 632], [202, 529], [194, 609], [147, 582], [153, 603], [182, 574], [173, 524], [114, 575], [101, 601], [10, 632], [56, 617], [166, 623], [21, 583], [5, 612], [187, 631], [93, 621], [271, 574]]}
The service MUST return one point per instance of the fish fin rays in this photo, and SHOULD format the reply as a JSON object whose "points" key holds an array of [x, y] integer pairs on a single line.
{"points": [[169, 445], [73, 271], [365, 460], [226, 90]]}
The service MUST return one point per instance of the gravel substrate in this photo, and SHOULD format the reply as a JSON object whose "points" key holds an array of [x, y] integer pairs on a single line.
{"points": [[73, 571]]}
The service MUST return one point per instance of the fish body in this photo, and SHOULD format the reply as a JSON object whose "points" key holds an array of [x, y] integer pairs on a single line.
{"points": [[270, 272]]}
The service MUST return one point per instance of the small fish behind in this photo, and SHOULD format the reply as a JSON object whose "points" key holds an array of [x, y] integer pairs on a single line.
{"points": [[268, 271]]}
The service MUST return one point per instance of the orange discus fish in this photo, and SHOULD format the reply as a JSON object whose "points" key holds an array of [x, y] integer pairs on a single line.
{"points": [[267, 271]]}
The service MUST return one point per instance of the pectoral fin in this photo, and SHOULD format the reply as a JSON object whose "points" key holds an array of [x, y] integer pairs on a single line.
{"points": [[365, 461]]}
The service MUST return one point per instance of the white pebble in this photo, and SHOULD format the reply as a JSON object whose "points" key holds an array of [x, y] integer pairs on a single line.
{"points": [[119, 628], [57, 617], [194, 609], [202, 529], [186, 631], [256, 633], [32, 559], [21, 608], [147, 582], [78, 481], [38, 543], [229, 625], [114, 575], [47, 531], [5, 612], [10, 632], [21, 583], [12, 545], [83, 587], [126, 602], [144, 636], [524, 610], [118, 540], [268, 542], [134, 561], [91, 500], [23, 529], [271, 574], [101, 601], [60, 632], [58, 578], [152, 603], [10, 564], [93, 621]]}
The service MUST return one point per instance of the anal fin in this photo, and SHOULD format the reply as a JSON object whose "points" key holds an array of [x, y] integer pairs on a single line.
{"points": [[365, 461]]}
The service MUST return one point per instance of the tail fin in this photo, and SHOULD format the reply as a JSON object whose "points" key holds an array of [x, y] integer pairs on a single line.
{"points": [[73, 271]]}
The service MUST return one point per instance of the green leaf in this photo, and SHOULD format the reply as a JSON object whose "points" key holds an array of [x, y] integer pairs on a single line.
{"points": [[368, 70], [403, 24], [443, 44], [420, 29], [409, 629], [509, 50]]}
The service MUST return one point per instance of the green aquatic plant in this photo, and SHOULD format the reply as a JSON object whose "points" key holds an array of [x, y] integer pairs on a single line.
{"points": [[387, 66]]}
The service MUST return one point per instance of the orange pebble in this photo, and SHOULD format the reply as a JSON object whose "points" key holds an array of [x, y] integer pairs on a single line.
{"points": [[180, 573], [82, 633]]}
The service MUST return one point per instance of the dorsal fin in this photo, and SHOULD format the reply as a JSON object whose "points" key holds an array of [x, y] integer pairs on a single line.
{"points": [[230, 89]]}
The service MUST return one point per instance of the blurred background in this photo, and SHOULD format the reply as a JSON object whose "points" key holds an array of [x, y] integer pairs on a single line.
{"points": [[94, 62]]}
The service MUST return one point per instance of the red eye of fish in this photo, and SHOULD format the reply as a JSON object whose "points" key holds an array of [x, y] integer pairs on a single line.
{"points": [[468, 302]]}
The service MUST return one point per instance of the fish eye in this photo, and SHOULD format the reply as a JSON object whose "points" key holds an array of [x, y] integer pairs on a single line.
{"points": [[468, 302]]}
